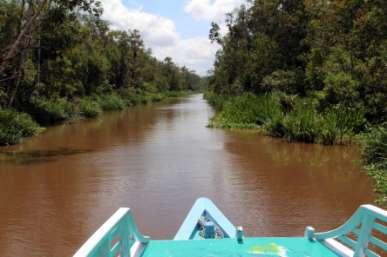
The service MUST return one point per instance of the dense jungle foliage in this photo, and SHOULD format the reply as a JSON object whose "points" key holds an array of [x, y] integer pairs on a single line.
{"points": [[305, 70], [59, 59]]}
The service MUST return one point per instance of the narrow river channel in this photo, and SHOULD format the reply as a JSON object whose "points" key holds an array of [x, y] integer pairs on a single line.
{"points": [[56, 189]]}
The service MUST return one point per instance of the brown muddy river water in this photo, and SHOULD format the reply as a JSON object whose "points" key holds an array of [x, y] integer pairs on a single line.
{"points": [[56, 189]]}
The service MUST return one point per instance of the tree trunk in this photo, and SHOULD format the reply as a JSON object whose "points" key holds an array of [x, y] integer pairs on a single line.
{"points": [[14, 56], [28, 28]]}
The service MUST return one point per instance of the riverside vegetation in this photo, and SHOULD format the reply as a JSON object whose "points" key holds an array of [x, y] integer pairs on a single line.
{"points": [[309, 71], [59, 60]]}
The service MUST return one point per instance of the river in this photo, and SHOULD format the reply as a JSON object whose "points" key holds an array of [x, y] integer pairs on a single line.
{"points": [[57, 188]]}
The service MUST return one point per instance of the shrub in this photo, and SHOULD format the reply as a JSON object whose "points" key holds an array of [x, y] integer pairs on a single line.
{"points": [[134, 96], [89, 108], [49, 111], [131, 96], [134, 99], [249, 111], [216, 101], [147, 98], [287, 102], [15, 125], [239, 112], [111, 102], [380, 178], [268, 110], [157, 97], [374, 147], [140, 98], [149, 87], [302, 123], [339, 123], [175, 94], [329, 132], [374, 154]]}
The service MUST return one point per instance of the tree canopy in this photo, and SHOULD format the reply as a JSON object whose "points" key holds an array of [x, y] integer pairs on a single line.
{"points": [[63, 49], [332, 51]]}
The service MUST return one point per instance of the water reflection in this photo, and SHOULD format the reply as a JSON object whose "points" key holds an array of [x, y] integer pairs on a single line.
{"points": [[302, 183], [30, 157]]}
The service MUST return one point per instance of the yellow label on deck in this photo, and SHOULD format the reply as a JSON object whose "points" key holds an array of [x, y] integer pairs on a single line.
{"points": [[269, 249]]}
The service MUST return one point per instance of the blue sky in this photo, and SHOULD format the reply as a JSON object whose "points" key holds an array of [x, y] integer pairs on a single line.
{"points": [[186, 25], [178, 29]]}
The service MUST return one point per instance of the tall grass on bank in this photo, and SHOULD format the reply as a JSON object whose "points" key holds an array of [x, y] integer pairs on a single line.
{"points": [[239, 112], [293, 118], [302, 123], [248, 111], [374, 153]]}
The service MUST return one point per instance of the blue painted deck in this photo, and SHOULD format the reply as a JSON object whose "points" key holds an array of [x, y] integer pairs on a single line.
{"points": [[258, 247]]}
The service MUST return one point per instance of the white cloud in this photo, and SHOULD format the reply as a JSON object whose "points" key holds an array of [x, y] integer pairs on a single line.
{"points": [[213, 10], [156, 30], [195, 53], [159, 34]]}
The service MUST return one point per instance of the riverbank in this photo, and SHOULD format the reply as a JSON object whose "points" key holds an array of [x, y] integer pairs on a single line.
{"points": [[298, 119], [16, 125]]}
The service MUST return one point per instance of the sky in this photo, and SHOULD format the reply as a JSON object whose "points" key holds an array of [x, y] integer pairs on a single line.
{"points": [[174, 28]]}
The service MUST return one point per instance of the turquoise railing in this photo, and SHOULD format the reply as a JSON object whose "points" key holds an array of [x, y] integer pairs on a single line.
{"points": [[361, 236], [118, 237]]}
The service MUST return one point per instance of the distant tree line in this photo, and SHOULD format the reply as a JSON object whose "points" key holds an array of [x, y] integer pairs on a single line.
{"points": [[58, 57]]}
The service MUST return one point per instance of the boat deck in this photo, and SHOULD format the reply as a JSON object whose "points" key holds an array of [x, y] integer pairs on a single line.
{"points": [[264, 247], [362, 235]]}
